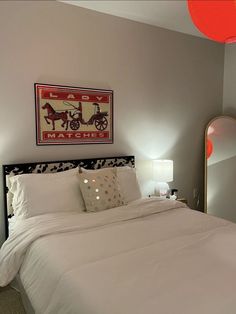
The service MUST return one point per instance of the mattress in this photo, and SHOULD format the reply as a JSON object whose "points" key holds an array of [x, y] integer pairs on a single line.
{"points": [[152, 256]]}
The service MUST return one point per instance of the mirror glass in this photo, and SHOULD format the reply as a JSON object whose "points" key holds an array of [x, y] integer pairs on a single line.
{"points": [[220, 193]]}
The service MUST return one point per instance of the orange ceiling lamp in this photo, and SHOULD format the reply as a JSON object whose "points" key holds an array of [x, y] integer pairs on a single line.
{"points": [[209, 148], [215, 18]]}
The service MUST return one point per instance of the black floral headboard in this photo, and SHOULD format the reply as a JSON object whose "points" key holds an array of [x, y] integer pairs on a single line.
{"points": [[57, 166]]}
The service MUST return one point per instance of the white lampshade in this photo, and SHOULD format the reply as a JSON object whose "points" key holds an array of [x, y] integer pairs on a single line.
{"points": [[163, 170]]}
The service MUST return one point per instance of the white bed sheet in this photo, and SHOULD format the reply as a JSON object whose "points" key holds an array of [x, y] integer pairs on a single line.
{"points": [[11, 223], [149, 257]]}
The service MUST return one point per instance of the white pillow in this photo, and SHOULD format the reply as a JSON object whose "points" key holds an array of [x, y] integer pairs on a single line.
{"points": [[36, 194], [128, 183], [9, 197], [100, 189], [127, 180]]}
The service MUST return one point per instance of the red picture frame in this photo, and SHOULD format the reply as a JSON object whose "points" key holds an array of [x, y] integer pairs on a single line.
{"points": [[73, 115]]}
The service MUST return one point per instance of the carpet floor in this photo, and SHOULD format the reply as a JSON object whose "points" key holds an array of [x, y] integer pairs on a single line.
{"points": [[10, 301]]}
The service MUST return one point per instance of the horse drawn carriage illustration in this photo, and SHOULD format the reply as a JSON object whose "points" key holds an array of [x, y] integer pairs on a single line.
{"points": [[98, 118]]}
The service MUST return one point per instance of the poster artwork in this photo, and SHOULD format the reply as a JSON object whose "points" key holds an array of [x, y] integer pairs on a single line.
{"points": [[73, 115]]}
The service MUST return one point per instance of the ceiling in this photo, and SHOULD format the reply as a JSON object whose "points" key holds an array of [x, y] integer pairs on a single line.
{"points": [[170, 14]]}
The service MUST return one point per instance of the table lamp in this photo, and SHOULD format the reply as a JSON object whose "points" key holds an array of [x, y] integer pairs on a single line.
{"points": [[162, 173]]}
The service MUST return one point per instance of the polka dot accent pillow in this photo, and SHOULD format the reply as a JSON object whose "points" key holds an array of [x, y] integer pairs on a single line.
{"points": [[100, 190]]}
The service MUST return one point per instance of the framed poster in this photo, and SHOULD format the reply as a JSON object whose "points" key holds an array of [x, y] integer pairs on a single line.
{"points": [[73, 115]]}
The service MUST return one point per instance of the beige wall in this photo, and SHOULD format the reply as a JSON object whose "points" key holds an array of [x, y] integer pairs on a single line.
{"points": [[167, 85], [229, 100]]}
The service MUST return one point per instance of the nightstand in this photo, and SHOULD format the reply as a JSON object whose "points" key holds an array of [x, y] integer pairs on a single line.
{"points": [[183, 200], [153, 196]]}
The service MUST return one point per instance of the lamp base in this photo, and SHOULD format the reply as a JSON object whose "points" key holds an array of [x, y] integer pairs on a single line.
{"points": [[162, 189]]}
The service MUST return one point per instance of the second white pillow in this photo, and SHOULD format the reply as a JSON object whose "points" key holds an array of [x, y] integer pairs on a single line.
{"points": [[128, 183]]}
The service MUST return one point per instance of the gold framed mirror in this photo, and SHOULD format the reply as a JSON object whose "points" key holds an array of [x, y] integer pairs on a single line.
{"points": [[220, 168]]}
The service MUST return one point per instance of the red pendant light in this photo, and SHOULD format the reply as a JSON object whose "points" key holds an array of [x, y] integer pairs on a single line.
{"points": [[215, 18], [209, 148]]}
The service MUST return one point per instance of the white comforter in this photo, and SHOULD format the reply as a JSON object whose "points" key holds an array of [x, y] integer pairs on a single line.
{"points": [[153, 256]]}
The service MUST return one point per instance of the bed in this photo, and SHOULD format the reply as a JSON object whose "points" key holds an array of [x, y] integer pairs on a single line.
{"points": [[151, 255]]}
